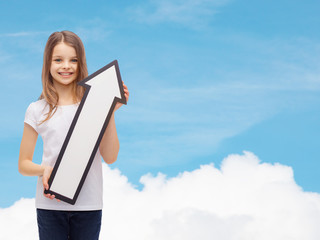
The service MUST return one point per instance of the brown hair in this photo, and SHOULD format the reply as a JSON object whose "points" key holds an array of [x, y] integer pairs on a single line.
{"points": [[49, 92]]}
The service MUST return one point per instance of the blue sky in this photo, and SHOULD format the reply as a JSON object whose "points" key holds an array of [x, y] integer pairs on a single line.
{"points": [[207, 78]]}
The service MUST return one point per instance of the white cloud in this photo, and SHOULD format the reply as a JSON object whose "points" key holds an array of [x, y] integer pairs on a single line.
{"points": [[19, 221], [244, 199]]}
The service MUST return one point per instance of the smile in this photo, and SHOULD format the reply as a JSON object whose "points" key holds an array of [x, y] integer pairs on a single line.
{"points": [[65, 73]]}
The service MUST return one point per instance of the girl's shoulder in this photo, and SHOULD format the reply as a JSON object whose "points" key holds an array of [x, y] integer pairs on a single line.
{"points": [[35, 112], [38, 106]]}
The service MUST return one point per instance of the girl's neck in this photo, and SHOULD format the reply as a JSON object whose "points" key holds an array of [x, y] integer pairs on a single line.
{"points": [[66, 95]]}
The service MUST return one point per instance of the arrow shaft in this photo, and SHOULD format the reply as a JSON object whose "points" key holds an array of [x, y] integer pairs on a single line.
{"points": [[83, 137]]}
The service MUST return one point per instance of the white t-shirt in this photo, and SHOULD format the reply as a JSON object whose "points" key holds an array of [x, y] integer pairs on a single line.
{"points": [[53, 133]]}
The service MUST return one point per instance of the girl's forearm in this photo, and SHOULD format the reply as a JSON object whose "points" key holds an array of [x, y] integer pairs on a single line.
{"points": [[25, 165], [29, 168], [109, 145]]}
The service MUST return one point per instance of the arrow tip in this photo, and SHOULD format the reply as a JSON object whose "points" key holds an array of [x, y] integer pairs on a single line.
{"points": [[108, 80]]}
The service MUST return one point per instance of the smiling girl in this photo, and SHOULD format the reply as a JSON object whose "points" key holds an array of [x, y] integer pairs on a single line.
{"points": [[64, 65]]}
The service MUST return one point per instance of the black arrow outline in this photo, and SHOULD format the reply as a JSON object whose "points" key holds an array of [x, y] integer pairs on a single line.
{"points": [[73, 124]]}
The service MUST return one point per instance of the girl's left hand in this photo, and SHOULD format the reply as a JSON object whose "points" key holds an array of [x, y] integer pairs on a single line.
{"points": [[45, 178], [126, 94]]}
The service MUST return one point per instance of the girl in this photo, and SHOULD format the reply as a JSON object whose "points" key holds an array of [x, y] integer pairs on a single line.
{"points": [[64, 65]]}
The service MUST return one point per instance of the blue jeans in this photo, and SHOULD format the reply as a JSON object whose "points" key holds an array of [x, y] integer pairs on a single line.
{"points": [[69, 225]]}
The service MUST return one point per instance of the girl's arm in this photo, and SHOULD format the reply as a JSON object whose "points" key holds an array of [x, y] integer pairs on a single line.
{"points": [[109, 145], [25, 165], [28, 144]]}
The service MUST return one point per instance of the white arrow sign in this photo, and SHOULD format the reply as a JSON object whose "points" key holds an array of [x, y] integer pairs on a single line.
{"points": [[103, 90]]}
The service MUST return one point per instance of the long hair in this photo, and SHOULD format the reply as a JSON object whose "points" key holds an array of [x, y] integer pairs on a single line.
{"points": [[49, 93]]}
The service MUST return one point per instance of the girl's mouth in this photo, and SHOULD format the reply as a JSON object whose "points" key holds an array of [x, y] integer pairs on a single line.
{"points": [[65, 73]]}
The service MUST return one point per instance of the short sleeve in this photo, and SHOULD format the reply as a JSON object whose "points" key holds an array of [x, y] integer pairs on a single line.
{"points": [[30, 118]]}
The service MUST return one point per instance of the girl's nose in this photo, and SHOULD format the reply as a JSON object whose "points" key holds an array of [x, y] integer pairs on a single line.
{"points": [[66, 64]]}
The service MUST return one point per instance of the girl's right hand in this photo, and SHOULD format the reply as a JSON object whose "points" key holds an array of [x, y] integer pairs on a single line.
{"points": [[45, 178]]}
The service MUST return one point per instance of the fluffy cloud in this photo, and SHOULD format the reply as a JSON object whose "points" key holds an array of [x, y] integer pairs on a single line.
{"points": [[244, 199], [19, 221]]}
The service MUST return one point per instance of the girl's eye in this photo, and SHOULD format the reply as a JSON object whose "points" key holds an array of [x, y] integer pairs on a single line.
{"points": [[57, 60], [74, 60]]}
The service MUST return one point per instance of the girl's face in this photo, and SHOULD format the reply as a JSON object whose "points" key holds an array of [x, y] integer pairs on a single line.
{"points": [[64, 65]]}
